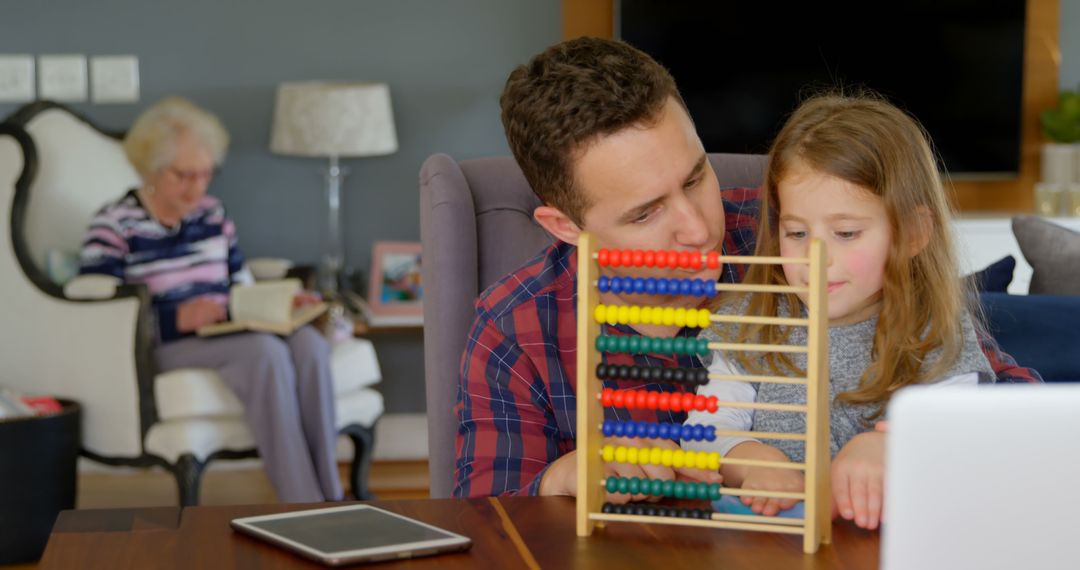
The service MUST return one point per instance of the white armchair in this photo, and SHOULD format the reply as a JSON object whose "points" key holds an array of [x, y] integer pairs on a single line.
{"points": [[56, 170]]}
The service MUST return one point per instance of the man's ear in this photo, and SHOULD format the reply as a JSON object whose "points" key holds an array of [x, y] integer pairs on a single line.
{"points": [[557, 224], [924, 231]]}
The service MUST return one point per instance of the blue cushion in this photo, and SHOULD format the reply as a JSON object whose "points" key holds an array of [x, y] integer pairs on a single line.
{"points": [[1039, 331], [996, 277]]}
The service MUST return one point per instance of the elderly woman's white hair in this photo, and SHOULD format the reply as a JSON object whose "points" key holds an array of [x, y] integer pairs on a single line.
{"points": [[150, 145]]}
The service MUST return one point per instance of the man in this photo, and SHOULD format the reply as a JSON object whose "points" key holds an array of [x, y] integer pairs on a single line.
{"points": [[604, 139]]}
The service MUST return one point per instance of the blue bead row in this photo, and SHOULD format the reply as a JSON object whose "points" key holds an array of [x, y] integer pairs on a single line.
{"points": [[689, 432], [657, 286]]}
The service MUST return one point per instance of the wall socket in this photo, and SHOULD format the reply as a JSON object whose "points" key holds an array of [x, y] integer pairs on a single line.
{"points": [[16, 78], [62, 77], [114, 78]]}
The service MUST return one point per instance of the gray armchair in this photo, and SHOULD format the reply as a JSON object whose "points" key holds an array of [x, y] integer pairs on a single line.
{"points": [[476, 226]]}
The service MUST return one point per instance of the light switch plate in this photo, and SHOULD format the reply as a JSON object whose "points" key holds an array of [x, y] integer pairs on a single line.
{"points": [[114, 79], [16, 78], [62, 77]]}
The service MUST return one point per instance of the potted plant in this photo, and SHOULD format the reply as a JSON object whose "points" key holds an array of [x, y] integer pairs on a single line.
{"points": [[1061, 126]]}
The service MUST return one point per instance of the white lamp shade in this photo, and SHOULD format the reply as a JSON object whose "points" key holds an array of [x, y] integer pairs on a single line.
{"points": [[333, 119]]}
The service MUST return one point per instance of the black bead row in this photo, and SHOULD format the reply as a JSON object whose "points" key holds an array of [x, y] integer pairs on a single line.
{"points": [[656, 511], [691, 376]]}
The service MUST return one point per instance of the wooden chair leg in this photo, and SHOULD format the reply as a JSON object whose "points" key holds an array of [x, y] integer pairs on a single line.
{"points": [[188, 473], [363, 439]]}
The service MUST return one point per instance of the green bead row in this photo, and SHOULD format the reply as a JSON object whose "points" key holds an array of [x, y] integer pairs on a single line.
{"points": [[658, 345], [663, 488]]}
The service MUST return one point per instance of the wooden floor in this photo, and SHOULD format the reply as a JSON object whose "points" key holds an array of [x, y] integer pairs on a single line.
{"points": [[105, 490]]}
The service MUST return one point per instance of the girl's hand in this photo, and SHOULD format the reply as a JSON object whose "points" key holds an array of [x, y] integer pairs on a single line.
{"points": [[858, 480]]}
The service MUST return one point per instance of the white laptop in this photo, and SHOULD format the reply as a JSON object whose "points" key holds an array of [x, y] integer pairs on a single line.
{"points": [[983, 478]]}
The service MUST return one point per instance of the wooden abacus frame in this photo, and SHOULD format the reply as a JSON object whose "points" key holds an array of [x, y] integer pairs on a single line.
{"points": [[816, 526]]}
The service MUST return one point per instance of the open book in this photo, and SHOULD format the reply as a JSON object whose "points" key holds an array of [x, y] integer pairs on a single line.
{"points": [[265, 307]]}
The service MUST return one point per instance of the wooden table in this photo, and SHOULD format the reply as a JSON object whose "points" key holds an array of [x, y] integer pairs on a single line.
{"points": [[506, 533]]}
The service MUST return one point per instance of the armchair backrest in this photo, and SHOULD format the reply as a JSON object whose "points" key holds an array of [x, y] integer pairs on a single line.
{"points": [[476, 226], [79, 170]]}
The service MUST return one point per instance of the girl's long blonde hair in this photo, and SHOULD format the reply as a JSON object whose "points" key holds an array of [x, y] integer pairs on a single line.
{"points": [[868, 142]]}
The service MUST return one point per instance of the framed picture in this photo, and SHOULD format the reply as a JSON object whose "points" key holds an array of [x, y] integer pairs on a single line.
{"points": [[395, 288]]}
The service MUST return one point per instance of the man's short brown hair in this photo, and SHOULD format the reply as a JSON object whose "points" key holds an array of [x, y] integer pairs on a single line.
{"points": [[569, 95]]}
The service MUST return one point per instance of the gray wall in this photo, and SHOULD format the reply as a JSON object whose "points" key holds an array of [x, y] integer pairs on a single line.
{"points": [[1069, 77], [445, 62]]}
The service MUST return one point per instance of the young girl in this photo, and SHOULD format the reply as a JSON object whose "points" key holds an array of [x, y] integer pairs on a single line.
{"points": [[858, 174]]}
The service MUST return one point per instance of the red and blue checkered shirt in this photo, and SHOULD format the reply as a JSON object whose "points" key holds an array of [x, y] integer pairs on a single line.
{"points": [[516, 401]]}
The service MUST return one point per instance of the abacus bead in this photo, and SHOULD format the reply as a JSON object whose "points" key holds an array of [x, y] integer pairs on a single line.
{"points": [[664, 403], [697, 433], [646, 315], [639, 285], [688, 401], [608, 428], [701, 376], [663, 431], [630, 400], [697, 288], [661, 286], [624, 314], [622, 344], [692, 319], [710, 288], [642, 398], [668, 487], [611, 485], [623, 485], [701, 491], [669, 373], [603, 257], [637, 258], [656, 455], [714, 491], [661, 259], [673, 259], [636, 372], [651, 429], [651, 403], [602, 371], [684, 259], [650, 285], [668, 318], [606, 397], [646, 343], [704, 317], [695, 260], [632, 457], [666, 344], [639, 429], [600, 313], [608, 453], [603, 284], [680, 317], [616, 258], [620, 454], [712, 260], [699, 402], [618, 399], [656, 487], [678, 345], [648, 258], [666, 457], [633, 343], [710, 433], [678, 458], [612, 316], [638, 510], [676, 431], [703, 346], [619, 428], [684, 286], [634, 486], [678, 375], [616, 285], [714, 462], [608, 508], [653, 373], [628, 284], [680, 490], [712, 405]]}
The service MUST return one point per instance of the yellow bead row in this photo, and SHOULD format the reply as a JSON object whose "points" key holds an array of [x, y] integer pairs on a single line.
{"points": [[668, 316], [661, 456]]}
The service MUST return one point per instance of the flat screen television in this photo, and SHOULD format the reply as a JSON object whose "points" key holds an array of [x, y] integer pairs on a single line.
{"points": [[742, 67]]}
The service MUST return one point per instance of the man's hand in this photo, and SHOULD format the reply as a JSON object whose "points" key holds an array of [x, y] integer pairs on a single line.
{"points": [[197, 313], [766, 478], [561, 476], [858, 480]]}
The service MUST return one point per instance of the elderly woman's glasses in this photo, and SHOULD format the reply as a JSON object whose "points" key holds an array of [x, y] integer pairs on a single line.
{"points": [[188, 176]]}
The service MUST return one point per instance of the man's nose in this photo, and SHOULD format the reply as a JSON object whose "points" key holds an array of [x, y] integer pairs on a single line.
{"points": [[692, 230]]}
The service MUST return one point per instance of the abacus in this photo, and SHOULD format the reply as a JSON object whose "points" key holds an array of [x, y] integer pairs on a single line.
{"points": [[815, 526]]}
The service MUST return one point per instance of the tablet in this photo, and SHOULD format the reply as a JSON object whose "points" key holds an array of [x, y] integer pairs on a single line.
{"points": [[351, 534]]}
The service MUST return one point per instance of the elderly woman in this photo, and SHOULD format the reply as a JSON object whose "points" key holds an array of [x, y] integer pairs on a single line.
{"points": [[171, 236]]}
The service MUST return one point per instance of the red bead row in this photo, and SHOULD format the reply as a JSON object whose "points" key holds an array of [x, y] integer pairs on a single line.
{"points": [[665, 401], [657, 258]]}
